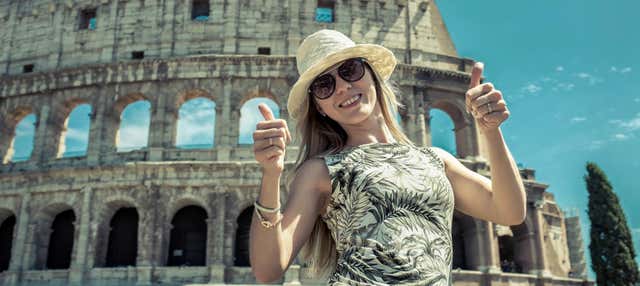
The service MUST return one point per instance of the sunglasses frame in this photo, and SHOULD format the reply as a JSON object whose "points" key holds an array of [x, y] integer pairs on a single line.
{"points": [[362, 61]]}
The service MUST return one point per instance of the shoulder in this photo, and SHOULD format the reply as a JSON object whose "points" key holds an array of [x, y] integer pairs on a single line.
{"points": [[314, 172], [444, 156]]}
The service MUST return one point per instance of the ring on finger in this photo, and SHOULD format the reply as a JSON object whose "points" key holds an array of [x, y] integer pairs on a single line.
{"points": [[270, 141], [489, 107]]}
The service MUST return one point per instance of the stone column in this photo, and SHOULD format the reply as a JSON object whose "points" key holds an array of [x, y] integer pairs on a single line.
{"points": [[96, 138], [230, 45], [58, 30], [541, 267], [79, 261], [6, 141], [483, 242], [293, 33], [158, 123], [19, 242], [40, 138], [215, 236], [224, 122], [13, 14]]}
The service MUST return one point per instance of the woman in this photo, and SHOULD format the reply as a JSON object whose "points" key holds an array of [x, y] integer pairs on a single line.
{"points": [[366, 206]]}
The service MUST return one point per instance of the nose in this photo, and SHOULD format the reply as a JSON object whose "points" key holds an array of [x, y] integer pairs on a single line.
{"points": [[341, 85]]}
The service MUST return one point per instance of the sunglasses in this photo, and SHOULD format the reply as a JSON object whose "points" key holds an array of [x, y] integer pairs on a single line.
{"points": [[350, 70]]}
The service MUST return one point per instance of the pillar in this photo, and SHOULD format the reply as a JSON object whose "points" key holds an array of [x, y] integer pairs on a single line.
{"points": [[79, 259]]}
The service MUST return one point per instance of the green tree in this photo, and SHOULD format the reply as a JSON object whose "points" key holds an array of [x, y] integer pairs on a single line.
{"points": [[611, 247]]}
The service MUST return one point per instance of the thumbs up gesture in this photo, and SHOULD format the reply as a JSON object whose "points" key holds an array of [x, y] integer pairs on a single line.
{"points": [[485, 102], [269, 142]]}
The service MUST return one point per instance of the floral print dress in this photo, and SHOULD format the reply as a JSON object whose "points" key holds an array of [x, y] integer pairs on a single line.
{"points": [[390, 215]]}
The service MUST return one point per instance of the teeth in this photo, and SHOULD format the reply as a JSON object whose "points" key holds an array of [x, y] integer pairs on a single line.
{"points": [[350, 101]]}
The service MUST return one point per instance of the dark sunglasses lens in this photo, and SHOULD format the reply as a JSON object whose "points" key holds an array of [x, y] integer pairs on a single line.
{"points": [[351, 70], [322, 87]]}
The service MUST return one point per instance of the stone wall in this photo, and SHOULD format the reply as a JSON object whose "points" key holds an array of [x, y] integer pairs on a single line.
{"points": [[48, 35]]}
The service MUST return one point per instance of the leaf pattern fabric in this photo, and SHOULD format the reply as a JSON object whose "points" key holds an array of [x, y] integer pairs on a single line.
{"points": [[390, 215]]}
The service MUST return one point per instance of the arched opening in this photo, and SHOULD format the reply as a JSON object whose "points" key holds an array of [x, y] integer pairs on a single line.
{"points": [[196, 124], [241, 249], [442, 134], [134, 126], [74, 138], [6, 241], [457, 235], [506, 246], [250, 116], [122, 247], [188, 239], [21, 146], [61, 241]]}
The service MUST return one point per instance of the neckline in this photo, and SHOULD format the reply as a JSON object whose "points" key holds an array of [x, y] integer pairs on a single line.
{"points": [[369, 144]]}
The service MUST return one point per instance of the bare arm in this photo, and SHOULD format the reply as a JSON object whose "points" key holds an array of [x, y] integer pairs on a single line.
{"points": [[273, 250], [502, 199]]}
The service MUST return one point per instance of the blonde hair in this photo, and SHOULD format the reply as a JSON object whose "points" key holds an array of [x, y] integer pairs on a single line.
{"points": [[321, 136]]}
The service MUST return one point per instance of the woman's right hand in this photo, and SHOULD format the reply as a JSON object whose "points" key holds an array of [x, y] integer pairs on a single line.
{"points": [[269, 142]]}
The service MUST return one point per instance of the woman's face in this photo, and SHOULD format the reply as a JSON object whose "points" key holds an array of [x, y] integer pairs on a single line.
{"points": [[351, 102]]}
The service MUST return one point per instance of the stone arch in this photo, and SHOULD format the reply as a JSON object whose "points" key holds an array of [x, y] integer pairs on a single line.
{"points": [[255, 93], [188, 237], [187, 200], [462, 230], [8, 125], [42, 230], [241, 245], [191, 94], [120, 106], [60, 118], [105, 216], [456, 114], [7, 231]]}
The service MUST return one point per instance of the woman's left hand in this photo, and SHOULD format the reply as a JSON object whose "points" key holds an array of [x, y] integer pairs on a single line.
{"points": [[485, 102]]}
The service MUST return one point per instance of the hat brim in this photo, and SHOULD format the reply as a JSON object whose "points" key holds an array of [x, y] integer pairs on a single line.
{"points": [[379, 58]]}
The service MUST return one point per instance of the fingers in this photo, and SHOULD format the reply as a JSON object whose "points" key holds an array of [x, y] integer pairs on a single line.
{"points": [[490, 108], [266, 111], [270, 137], [476, 74], [269, 153], [276, 123]]}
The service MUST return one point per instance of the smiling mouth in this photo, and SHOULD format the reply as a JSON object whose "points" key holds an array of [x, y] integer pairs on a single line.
{"points": [[351, 101]]}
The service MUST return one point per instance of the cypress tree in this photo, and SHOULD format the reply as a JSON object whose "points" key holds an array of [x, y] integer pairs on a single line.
{"points": [[611, 247]]}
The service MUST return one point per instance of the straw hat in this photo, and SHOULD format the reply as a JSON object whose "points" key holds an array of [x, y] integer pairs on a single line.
{"points": [[325, 48]]}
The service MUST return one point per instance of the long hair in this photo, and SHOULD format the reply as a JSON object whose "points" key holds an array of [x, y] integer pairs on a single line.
{"points": [[321, 136]]}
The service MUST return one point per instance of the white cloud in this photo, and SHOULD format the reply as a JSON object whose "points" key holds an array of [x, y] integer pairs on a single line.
{"points": [[592, 79], [637, 99], [196, 122], [133, 136], [620, 137], [532, 88], [77, 134], [578, 119], [559, 68], [625, 70], [595, 144], [629, 125], [614, 69]]}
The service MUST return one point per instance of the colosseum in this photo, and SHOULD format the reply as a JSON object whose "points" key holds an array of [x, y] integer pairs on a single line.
{"points": [[166, 214]]}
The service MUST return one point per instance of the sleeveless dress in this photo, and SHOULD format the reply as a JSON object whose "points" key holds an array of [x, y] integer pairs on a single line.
{"points": [[390, 214]]}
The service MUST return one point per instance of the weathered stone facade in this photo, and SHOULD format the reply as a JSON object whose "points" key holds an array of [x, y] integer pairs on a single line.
{"points": [[216, 59]]}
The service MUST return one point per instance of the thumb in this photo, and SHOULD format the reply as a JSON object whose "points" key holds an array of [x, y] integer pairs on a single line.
{"points": [[476, 74], [266, 111]]}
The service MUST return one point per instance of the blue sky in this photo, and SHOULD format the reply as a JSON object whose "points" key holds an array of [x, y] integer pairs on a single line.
{"points": [[570, 73]]}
